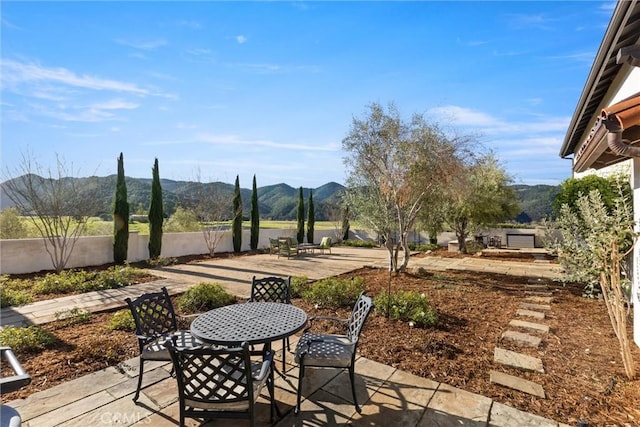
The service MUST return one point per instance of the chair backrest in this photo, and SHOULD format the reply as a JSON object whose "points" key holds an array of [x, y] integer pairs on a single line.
{"points": [[271, 289], [325, 242], [153, 313], [207, 376], [293, 241], [359, 314]]}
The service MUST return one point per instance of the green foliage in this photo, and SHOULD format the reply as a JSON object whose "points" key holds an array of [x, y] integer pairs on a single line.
{"points": [[255, 217], [299, 285], [11, 297], [156, 215], [407, 306], [423, 247], [333, 292], [182, 220], [345, 223], [359, 243], [204, 297], [572, 189], [236, 227], [11, 226], [161, 261], [67, 281], [122, 320], [311, 220], [300, 217], [120, 217], [75, 316], [29, 339]]}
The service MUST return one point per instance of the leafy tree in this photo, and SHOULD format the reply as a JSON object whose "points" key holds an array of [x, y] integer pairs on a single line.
{"points": [[482, 198], [393, 167], [255, 217], [345, 224], [572, 189], [120, 217], [311, 220], [300, 217], [596, 240], [182, 220], [156, 216], [54, 203], [237, 217], [11, 226]]}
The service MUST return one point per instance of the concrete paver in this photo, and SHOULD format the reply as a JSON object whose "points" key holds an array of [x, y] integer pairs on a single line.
{"points": [[516, 383], [521, 338], [517, 360], [539, 327], [386, 394]]}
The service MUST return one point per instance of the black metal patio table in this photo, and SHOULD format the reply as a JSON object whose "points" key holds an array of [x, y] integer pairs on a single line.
{"points": [[253, 322]]}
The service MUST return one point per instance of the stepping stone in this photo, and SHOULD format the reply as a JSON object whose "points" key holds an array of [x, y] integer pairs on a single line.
{"points": [[528, 313], [530, 306], [535, 299], [529, 325], [536, 287], [539, 293], [517, 360], [516, 383], [522, 338]]}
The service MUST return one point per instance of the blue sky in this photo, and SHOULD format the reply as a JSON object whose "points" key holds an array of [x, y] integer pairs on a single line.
{"points": [[219, 89]]}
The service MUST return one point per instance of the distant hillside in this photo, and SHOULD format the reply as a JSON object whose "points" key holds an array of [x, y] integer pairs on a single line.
{"points": [[277, 202]]}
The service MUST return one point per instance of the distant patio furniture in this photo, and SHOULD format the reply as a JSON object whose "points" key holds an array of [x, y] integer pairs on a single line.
{"points": [[495, 242], [216, 382], [333, 350], [156, 322], [273, 246], [325, 244], [286, 247]]}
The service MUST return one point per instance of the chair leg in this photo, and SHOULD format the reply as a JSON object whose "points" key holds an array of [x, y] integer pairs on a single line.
{"points": [[353, 387], [141, 370], [300, 375]]}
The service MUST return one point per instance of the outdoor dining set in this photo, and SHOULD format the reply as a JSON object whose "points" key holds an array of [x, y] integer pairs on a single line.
{"points": [[218, 364]]}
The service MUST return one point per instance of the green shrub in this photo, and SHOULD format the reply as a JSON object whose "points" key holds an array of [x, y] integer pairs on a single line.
{"points": [[333, 292], [407, 306], [26, 339], [299, 285], [114, 277], [161, 261], [359, 243], [12, 297], [67, 281], [122, 320], [74, 316], [203, 297], [423, 247]]}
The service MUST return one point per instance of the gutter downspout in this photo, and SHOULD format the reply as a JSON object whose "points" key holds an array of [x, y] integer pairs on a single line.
{"points": [[621, 147]]}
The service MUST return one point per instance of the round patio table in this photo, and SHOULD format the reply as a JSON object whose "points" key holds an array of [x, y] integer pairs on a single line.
{"points": [[253, 322]]}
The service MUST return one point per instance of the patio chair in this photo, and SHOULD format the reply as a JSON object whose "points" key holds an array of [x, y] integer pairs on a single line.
{"points": [[156, 322], [216, 382], [287, 247], [274, 246], [273, 289], [325, 244], [333, 350]]}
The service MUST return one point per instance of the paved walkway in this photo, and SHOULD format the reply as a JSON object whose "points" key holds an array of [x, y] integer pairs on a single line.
{"points": [[388, 396]]}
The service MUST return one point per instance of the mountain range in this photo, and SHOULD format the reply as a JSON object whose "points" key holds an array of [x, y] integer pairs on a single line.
{"points": [[276, 202]]}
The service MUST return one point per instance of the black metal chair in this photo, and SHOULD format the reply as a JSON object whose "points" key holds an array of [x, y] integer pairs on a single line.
{"points": [[216, 382], [156, 322], [273, 289], [332, 350]]}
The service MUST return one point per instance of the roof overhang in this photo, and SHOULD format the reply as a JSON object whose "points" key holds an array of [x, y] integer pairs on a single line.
{"points": [[620, 121], [606, 73]]}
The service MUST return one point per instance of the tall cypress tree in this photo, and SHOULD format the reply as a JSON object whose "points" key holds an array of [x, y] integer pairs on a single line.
{"points": [[345, 223], [255, 216], [156, 216], [300, 231], [120, 217], [311, 220], [236, 229]]}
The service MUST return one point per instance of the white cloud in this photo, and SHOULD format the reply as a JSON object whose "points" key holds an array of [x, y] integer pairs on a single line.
{"points": [[194, 25], [240, 39], [142, 44], [16, 73], [199, 51], [236, 140]]}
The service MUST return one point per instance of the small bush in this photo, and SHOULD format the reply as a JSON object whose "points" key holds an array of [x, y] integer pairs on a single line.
{"points": [[114, 277], [423, 247], [203, 297], [333, 292], [28, 339], [359, 243], [74, 316], [13, 297], [407, 306], [122, 320], [161, 261], [67, 281], [299, 285]]}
